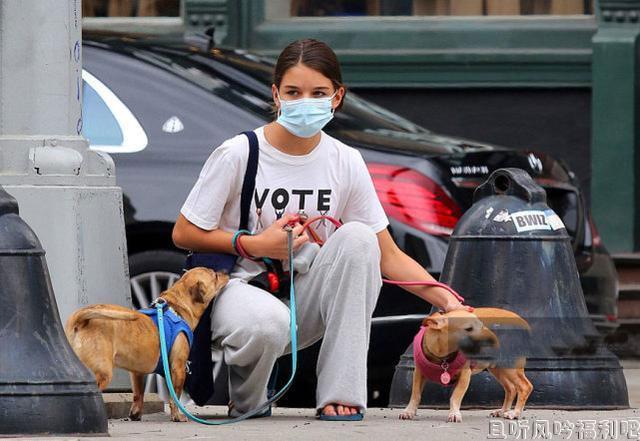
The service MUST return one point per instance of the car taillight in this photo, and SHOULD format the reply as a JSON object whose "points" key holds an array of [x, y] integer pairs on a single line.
{"points": [[595, 236], [412, 198]]}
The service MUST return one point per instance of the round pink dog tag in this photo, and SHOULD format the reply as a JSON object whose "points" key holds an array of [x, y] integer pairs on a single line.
{"points": [[445, 378]]}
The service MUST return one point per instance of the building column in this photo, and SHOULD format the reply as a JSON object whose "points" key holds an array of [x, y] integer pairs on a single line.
{"points": [[616, 125]]}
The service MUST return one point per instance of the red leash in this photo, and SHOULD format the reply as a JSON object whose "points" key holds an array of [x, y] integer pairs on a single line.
{"points": [[338, 224]]}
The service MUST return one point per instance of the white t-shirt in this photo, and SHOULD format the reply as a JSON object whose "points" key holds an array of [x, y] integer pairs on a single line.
{"points": [[331, 180]]}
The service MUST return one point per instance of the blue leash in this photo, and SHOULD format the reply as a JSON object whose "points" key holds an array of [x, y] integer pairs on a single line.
{"points": [[294, 355]]}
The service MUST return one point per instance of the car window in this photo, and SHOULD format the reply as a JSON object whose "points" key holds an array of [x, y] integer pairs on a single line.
{"points": [[245, 80], [107, 122]]}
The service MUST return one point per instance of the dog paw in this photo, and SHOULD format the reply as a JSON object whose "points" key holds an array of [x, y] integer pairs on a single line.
{"points": [[454, 417], [179, 418], [512, 415], [497, 413], [135, 416], [407, 415]]}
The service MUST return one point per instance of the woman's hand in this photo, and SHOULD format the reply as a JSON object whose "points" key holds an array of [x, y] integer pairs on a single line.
{"points": [[445, 301], [272, 242], [453, 304]]}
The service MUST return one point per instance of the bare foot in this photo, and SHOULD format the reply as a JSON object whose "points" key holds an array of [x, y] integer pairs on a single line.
{"points": [[339, 409]]}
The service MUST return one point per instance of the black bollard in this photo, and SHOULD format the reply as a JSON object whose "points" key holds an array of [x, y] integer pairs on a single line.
{"points": [[44, 388], [511, 251]]}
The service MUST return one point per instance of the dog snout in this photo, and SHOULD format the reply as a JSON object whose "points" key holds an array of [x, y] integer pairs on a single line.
{"points": [[469, 345], [473, 344], [488, 338]]}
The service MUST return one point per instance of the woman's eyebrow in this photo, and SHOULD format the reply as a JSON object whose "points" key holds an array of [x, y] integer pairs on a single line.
{"points": [[290, 86], [321, 88]]}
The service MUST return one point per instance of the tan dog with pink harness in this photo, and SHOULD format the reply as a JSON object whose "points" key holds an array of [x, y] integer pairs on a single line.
{"points": [[438, 358]]}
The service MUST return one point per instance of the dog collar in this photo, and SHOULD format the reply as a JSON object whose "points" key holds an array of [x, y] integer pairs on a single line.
{"points": [[441, 373]]}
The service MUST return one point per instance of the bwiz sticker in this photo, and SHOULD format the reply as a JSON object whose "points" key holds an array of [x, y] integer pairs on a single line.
{"points": [[530, 220]]}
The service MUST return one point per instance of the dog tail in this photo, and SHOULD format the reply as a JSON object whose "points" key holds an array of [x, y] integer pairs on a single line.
{"points": [[80, 318], [95, 313], [491, 316]]}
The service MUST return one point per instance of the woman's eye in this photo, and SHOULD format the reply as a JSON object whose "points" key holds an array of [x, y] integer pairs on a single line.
{"points": [[292, 93], [319, 94]]}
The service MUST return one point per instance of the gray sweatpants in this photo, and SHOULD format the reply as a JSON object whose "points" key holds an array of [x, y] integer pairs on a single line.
{"points": [[335, 301]]}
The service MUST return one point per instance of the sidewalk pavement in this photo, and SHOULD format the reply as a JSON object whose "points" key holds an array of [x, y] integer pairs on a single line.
{"points": [[383, 424]]}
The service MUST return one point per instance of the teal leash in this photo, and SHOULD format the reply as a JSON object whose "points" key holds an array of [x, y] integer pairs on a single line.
{"points": [[294, 354]]}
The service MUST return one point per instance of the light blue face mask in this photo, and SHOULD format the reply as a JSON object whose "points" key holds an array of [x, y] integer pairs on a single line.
{"points": [[306, 116]]}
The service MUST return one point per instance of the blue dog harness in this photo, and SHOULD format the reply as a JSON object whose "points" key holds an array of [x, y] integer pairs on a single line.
{"points": [[173, 326]]}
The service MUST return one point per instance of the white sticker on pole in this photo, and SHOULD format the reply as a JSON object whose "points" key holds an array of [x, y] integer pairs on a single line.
{"points": [[530, 220], [503, 216], [554, 220]]}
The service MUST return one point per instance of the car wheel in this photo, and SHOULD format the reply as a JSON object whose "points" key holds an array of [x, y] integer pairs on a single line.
{"points": [[151, 273]]}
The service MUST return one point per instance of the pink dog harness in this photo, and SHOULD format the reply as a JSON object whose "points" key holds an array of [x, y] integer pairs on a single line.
{"points": [[439, 373]]}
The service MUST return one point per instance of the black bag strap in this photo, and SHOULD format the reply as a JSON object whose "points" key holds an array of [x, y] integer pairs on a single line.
{"points": [[249, 184], [199, 381]]}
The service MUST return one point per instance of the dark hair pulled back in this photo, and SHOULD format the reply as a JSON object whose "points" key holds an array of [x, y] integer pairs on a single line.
{"points": [[314, 54]]}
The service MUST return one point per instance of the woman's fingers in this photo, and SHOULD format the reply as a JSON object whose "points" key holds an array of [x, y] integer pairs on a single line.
{"points": [[299, 241], [277, 237], [459, 306], [297, 230], [284, 220]]}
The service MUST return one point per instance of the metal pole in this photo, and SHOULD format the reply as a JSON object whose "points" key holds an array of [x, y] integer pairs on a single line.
{"points": [[66, 192]]}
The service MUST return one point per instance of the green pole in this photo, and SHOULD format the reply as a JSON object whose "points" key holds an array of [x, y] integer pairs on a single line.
{"points": [[615, 127]]}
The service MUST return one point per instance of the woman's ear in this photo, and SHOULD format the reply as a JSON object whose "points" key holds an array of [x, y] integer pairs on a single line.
{"points": [[338, 98], [274, 93]]}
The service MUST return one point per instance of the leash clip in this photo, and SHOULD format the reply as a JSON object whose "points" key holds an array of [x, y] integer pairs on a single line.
{"points": [[158, 301]]}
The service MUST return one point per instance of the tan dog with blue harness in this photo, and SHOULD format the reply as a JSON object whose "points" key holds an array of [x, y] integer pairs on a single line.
{"points": [[108, 336]]}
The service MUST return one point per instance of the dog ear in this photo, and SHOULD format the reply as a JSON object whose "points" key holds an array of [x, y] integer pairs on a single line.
{"points": [[196, 291], [493, 316], [432, 317], [435, 321]]}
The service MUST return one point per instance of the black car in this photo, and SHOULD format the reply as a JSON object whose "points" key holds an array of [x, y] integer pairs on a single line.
{"points": [[160, 105]]}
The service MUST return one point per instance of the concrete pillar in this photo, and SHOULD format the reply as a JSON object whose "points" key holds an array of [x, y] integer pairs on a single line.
{"points": [[66, 192], [615, 147]]}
